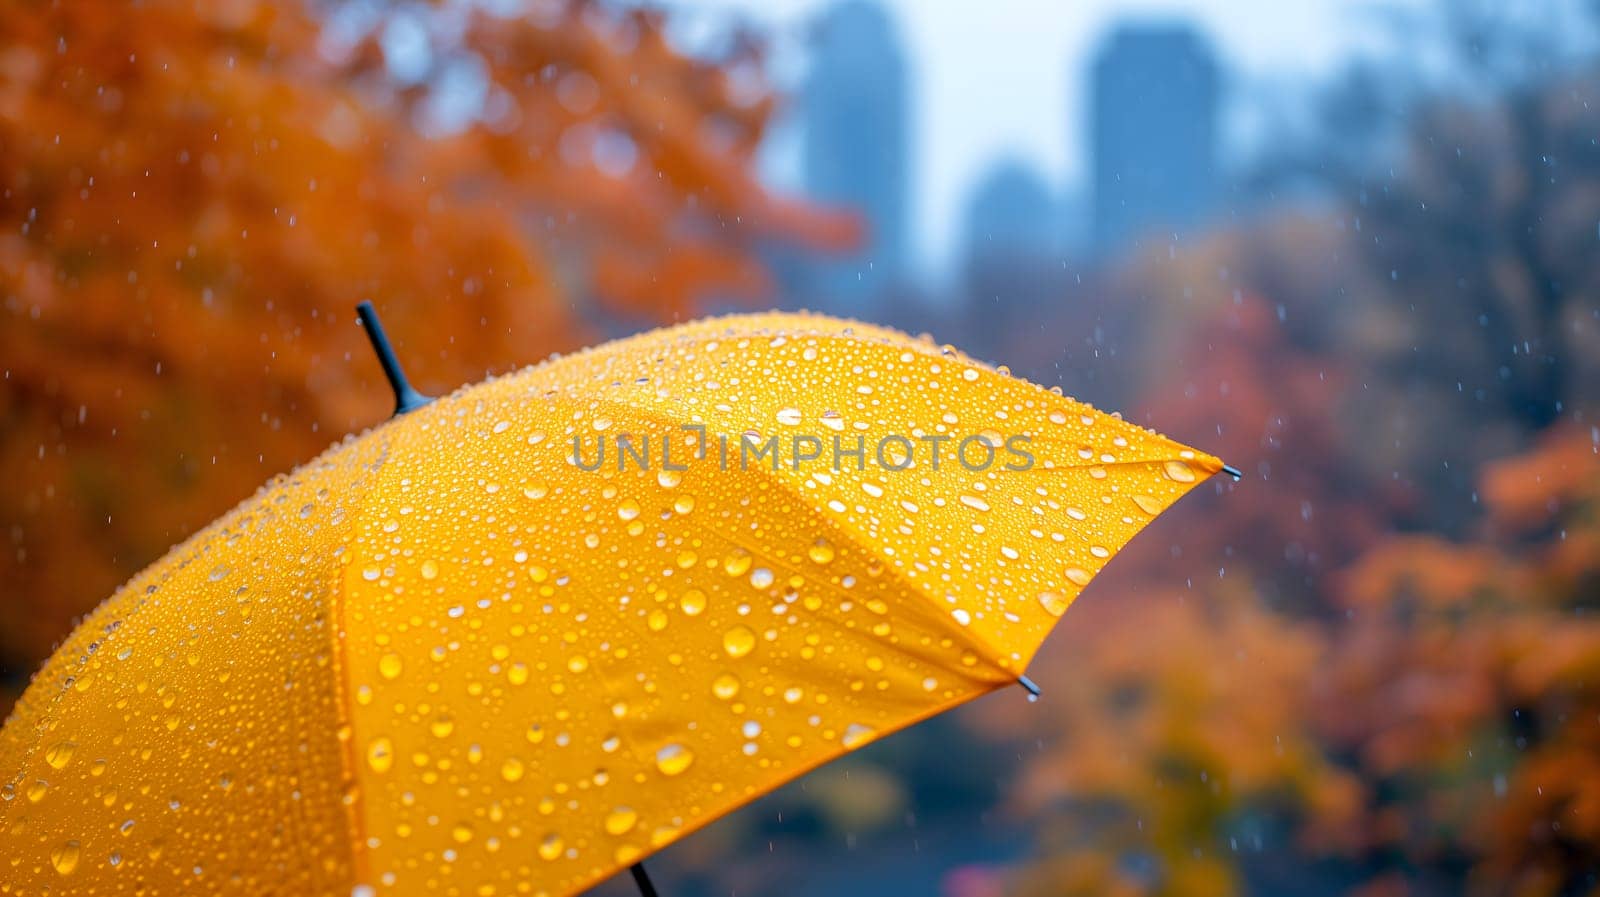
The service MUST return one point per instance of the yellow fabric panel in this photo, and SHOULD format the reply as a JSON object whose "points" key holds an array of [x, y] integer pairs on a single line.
{"points": [[185, 738], [448, 659]]}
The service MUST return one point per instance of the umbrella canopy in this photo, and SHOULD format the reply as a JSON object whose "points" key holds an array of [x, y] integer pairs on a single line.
{"points": [[530, 633]]}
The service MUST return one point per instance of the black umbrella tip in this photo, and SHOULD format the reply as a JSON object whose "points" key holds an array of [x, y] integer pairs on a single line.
{"points": [[405, 397]]}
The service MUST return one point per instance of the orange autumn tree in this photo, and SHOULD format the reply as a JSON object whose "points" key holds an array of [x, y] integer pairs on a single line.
{"points": [[1177, 746], [194, 195], [1466, 689], [1420, 717]]}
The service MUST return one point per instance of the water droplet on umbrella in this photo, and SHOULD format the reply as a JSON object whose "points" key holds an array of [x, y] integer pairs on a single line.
{"points": [[60, 754], [65, 857], [737, 563], [738, 641], [621, 820], [1147, 504], [726, 686], [390, 665], [380, 754], [673, 759], [550, 846], [855, 734]]}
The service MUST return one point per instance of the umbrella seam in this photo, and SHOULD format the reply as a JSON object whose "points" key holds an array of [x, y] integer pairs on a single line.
{"points": [[871, 334], [348, 763], [972, 640], [878, 336], [981, 689]]}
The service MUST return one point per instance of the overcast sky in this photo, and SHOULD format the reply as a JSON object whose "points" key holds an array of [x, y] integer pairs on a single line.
{"points": [[992, 78]]}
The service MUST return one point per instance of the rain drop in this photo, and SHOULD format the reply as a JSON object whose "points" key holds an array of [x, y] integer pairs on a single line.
{"points": [[726, 686], [738, 641], [673, 759], [389, 666], [380, 754], [856, 734], [1147, 504], [550, 846], [65, 857], [621, 820], [512, 770], [60, 754]]}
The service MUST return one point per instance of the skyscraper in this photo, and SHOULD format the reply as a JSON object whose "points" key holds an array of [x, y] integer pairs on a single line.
{"points": [[1012, 267], [856, 149], [1011, 213], [1153, 131]]}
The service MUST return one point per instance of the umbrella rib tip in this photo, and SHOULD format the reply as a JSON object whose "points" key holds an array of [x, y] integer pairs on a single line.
{"points": [[1028, 684], [1234, 472]]}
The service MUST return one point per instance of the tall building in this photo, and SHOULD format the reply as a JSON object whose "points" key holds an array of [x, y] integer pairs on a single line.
{"points": [[856, 150], [1153, 132], [1011, 271], [1011, 213]]}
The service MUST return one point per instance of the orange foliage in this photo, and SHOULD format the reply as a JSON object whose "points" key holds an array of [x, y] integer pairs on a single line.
{"points": [[194, 195], [1166, 714], [1268, 662], [1467, 683], [1275, 414]]}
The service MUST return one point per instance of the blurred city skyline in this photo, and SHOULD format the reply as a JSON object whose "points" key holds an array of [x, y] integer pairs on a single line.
{"points": [[1039, 61]]}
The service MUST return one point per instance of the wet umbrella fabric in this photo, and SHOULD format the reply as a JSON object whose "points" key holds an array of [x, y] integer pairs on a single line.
{"points": [[449, 657]]}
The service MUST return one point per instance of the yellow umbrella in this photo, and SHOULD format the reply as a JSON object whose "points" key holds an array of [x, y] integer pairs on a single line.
{"points": [[528, 634]]}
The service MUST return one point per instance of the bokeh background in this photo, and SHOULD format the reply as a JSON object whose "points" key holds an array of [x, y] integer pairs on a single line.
{"points": [[1352, 248]]}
